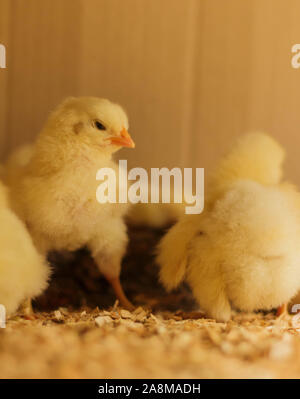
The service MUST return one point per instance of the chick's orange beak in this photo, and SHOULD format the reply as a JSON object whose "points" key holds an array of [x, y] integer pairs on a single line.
{"points": [[124, 140]]}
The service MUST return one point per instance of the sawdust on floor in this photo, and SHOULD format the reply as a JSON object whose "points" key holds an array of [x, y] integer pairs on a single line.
{"points": [[70, 337], [116, 343]]}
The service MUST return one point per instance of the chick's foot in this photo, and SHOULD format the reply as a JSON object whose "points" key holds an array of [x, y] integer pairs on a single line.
{"points": [[282, 310], [120, 294]]}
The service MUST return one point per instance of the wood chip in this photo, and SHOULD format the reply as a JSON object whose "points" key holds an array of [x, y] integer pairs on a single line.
{"points": [[93, 343], [58, 315], [103, 320], [125, 314]]}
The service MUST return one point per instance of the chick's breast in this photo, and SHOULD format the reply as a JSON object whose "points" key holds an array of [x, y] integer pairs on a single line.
{"points": [[62, 209]]}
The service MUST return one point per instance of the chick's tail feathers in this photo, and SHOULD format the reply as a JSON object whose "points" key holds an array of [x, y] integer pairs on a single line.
{"points": [[172, 252], [255, 156]]}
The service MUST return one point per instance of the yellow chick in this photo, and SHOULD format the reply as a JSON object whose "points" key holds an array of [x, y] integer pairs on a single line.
{"points": [[23, 272], [53, 184], [243, 251]]}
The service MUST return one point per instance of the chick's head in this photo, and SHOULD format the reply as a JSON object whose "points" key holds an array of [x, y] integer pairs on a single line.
{"points": [[90, 121]]}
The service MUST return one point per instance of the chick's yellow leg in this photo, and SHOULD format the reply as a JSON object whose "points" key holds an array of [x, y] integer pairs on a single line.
{"points": [[120, 294], [110, 267], [282, 310]]}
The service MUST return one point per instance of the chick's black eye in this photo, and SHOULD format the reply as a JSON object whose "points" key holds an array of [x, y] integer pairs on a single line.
{"points": [[99, 125]]}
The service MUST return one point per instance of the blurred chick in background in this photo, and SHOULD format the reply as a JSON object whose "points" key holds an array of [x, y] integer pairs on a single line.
{"points": [[23, 272], [162, 214], [53, 184], [243, 251], [155, 216]]}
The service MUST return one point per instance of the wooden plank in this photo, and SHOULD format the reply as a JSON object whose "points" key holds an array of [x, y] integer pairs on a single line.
{"points": [[192, 74], [4, 40], [244, 80], [44, 67], [137, 52], [275, 88], [222, 72]]}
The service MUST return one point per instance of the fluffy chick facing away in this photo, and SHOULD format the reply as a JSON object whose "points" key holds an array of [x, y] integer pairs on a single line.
{"points": [[23, 272], [53, 183], [243, 251]]}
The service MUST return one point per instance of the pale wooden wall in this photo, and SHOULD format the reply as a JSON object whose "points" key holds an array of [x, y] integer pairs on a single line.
{"points": [[4, 36], [193, 74], [42, 50]]}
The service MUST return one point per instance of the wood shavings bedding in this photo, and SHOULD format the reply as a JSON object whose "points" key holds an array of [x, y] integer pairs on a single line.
{"points": [[78, 332], [120, 344]]}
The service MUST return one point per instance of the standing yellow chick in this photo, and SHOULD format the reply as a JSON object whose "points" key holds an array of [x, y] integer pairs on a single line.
{"points": [[53, 184], [243, 251], [23, 272]]}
